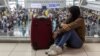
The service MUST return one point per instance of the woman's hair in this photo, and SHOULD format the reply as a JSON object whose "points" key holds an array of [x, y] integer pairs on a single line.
{"points": [[75, 13]]}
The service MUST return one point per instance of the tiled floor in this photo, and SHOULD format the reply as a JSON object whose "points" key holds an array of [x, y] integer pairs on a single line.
{"points": [[24, 49]]}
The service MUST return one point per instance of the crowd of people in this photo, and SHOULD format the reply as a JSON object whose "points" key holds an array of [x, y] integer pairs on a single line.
{"points": [[9, 21], [21, 18], [55, 15], [92, 21]]}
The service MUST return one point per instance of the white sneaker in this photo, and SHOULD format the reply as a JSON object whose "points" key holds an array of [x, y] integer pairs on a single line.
{"points": [[52, 53], [51, 48], [56, 51]]}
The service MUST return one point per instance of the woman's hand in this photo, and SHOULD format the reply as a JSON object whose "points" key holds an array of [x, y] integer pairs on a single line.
{"points": [[58, 31], [65, 27], [55, 35]]}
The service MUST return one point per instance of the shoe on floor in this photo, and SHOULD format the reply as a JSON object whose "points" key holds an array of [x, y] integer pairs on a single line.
{"points": [[51, 48], [56, 51]]}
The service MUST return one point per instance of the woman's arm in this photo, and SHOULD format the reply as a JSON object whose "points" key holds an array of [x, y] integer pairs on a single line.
{"points": [[77, 23]]}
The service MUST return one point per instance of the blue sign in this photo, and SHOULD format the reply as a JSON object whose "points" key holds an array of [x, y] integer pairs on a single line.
{"points": [[54, 5]]}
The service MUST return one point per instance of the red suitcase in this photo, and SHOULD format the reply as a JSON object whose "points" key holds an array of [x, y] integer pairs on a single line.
{"points": [[41, 33]]}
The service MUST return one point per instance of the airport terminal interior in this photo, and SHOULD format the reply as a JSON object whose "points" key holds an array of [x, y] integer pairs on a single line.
{"points": [[16, 21]]}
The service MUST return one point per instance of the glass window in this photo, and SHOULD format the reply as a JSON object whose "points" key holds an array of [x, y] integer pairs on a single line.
{"points": [[12, 5], [19, 28], [20, 0], [21, 4], [69, 2], [91, 0]]}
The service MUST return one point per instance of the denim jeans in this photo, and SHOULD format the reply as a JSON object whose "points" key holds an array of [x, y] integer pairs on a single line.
{"points": [[70, 38]]}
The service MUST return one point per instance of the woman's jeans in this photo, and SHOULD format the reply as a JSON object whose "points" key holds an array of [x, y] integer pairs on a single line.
{"points": [[71, 38]]}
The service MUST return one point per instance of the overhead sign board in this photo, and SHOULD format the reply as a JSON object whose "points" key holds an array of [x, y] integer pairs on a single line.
{"points": [[53, 5], [36, 5]]}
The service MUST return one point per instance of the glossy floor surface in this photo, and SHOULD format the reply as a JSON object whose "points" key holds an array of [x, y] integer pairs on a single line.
{"points": [[24, 49]]}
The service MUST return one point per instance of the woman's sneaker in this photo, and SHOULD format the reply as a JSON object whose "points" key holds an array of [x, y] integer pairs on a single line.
{"points": [[51, 47], [56, 51]]}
